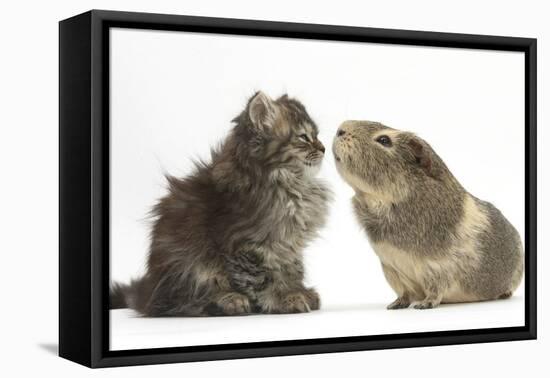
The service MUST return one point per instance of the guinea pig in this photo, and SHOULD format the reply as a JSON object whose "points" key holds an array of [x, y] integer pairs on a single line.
{"points": [[437, 243]]}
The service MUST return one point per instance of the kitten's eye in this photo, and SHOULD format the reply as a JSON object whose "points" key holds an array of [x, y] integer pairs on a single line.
{"points": [[384, 140], [304, 137]]}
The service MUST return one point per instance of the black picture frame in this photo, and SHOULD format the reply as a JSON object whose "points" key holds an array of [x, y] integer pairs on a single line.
{"points": [[84, 187]]}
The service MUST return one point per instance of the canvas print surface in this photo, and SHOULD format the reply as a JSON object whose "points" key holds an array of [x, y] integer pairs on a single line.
{"points": [[268, 189]]}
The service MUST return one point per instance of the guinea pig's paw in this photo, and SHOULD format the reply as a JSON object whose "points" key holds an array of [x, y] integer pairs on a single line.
{"points": [[425, 304], [399, 303]]}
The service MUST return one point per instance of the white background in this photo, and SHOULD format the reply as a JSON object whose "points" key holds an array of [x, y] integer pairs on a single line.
{"points": [[28, 151], [173, 95]]}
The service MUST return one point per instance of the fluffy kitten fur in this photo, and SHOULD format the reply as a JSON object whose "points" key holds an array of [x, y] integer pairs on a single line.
{"points": [[228, 239]]}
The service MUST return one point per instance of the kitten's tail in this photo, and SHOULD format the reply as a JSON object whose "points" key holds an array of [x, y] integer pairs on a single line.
{"points": [[129, 295], [118, 294]]}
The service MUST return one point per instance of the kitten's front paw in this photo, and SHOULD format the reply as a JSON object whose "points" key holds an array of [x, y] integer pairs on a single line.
{"points": [[234, 304], [295, 302], [313, 299], [399, 303], [425, 304]]}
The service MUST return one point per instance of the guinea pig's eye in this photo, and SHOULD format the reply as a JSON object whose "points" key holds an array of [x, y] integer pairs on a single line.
{"points": [[384, 140], [304, 137]]}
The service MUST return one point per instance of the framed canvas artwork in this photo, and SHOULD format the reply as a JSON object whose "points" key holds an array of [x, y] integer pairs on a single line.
{"points": [[236, 188]]}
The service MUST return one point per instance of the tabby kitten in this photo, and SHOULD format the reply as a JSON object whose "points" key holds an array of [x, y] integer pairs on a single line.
{"points": [[228, 239]]}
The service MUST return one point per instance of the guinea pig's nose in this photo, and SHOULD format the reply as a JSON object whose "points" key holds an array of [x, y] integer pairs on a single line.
{"points": [[340, 132]]}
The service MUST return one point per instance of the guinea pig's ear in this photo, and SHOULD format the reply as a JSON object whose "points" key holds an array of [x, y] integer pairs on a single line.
{"points": [[262, 111], [422, 156]]}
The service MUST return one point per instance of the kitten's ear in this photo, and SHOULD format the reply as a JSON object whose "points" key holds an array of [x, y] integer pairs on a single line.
{"points": [[262, 111], [422, 156]]}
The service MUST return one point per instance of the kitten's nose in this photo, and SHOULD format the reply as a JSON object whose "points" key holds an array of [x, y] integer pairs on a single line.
{"points": [[318, 145], [340, 132]]}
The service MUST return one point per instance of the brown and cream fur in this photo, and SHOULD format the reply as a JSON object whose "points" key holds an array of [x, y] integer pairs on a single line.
{"points": [[228, 238], [437, 243]]}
